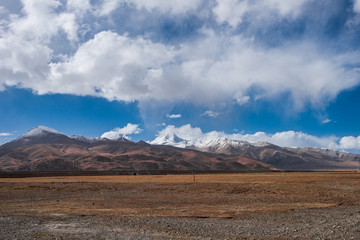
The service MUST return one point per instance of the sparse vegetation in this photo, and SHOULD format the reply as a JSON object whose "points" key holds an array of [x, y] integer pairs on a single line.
{"points": [[212, 196]]}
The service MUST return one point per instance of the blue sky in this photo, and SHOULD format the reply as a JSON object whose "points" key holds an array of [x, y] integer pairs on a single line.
{"points": [[287, 72]]}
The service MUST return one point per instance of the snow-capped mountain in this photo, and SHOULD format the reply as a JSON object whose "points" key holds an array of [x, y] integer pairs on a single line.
{"points": [[46, 135], [223, 145], [43, 144], [172, 140], [45, 149], [98, 139], [280, 157], [216, 145], [39, 131], [37, 135]]}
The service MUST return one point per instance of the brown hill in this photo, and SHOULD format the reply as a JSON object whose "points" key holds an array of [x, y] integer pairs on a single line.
{"points": [[313, 159]]}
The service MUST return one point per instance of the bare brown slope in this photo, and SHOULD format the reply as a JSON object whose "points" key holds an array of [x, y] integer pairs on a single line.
{"points": [[118, 156]]}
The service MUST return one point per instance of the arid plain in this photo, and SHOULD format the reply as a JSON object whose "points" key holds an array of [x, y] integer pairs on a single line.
{"points": [[278, 205]]}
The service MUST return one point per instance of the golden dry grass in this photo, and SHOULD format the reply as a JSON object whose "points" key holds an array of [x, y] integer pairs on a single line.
{"points": [[212, 195], [269, 177]]}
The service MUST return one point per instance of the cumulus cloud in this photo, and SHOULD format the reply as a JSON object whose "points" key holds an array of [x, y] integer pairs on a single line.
{"points": [[128, 68], [350, 142], [122, 132], [173, 115], [41, 22], [215, 67], [232, 71], [140, 69], [195, 136], [23, 63]]}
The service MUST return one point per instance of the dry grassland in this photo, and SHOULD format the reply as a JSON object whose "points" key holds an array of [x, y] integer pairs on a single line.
{"points": [[211, 196]]}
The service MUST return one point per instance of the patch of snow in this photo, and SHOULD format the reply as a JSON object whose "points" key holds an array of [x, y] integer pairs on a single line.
{"points": [[223, 143], [39, 131], [82, 138], [261, 144]]}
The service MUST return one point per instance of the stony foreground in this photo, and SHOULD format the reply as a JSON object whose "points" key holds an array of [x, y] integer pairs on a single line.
{"points": [[231, 206]]}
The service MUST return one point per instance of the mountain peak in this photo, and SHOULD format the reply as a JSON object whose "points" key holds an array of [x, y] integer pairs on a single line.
{"points": [[39, 131], [122, 139], [171, 139]]}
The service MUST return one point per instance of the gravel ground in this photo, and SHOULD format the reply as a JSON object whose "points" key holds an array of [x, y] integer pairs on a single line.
{"points": [[338, 222], [219, 206]]}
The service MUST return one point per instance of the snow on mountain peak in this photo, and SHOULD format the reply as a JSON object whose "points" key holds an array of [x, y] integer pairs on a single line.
{"points": [[171, 140], [38, 131], [223, 142]]}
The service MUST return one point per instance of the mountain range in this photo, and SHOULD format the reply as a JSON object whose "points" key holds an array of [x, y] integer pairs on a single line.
{"points": [[45, 149]]}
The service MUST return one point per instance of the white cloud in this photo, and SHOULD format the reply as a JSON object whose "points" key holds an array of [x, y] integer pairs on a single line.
{"points": [[210, 113], [195, 136], [308, 74], [327, 120], [128, 69], [357, 6], [124, 132], [41, 22], [242, 99], [5, 134], [173, 115], [286, 7], [299, 139], [233, 12], [173, 6], [214, 68], [79, 6], [350, 142], [108, 6], [67, 22], [23, 63]]}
